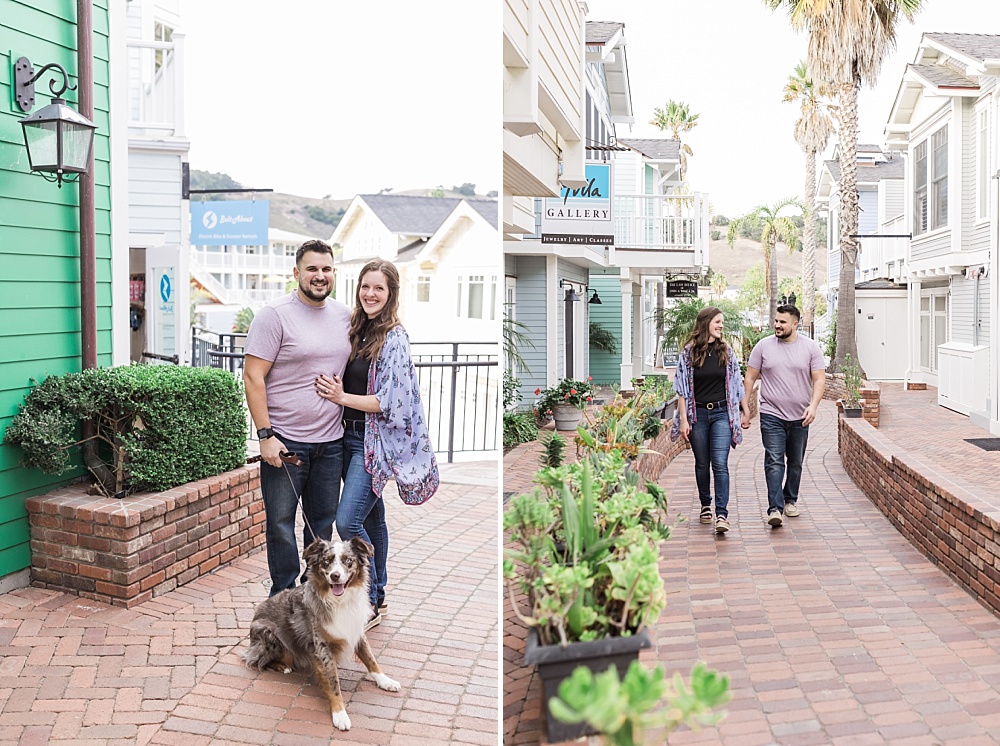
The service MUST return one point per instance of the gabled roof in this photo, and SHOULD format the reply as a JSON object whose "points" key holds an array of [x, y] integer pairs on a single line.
{"points": [[609, 38], [871, 173], [664, 149], [488, 208], [979, 48], [939, 76], [409, 214]]}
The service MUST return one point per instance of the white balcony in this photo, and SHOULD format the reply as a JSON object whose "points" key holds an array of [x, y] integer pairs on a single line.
{"points": [[156, 87], [673, 227], [882, 257]]}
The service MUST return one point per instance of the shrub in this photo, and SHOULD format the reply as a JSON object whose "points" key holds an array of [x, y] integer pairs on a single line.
{"points": [[157, 426], [572, 393], [716, 235], [518, 427]]}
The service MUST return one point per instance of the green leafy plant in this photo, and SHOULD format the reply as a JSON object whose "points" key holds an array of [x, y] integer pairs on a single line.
{"points": [[553, 446], [156, 426], [568, 392], [602, 339], [852, 382], [518, 427], [830, 341], [515, 339], [511, 390], [623, 710], [243, 319], [678, 320]]}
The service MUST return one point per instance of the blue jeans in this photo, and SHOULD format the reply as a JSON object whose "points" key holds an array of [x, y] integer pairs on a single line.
{"points": [[317, 481], [784, 450], [362, 513], [710, 438]]}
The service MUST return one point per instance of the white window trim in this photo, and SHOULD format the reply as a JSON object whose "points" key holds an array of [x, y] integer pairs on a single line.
{"points": [[983, 161]]}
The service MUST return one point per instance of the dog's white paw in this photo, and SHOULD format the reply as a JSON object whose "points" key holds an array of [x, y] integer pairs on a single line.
{"points": [[340, 720], [384, 682], [288, 670]]}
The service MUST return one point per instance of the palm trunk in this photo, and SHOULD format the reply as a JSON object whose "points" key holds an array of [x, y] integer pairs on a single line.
{"points": [[772, 279], [809, 248], [846, 341]]}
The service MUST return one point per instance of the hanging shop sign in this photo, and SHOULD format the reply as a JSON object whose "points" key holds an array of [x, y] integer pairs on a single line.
{"points": [[229, 223], [682, 288], [581, 216]]}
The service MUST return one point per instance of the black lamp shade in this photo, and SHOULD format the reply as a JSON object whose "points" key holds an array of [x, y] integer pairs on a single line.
{"points": [[571, 296], [59, 140], [596, 299]]}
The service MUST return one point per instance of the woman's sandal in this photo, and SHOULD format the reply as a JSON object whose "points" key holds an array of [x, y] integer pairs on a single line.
{"points": [[706, 515]]}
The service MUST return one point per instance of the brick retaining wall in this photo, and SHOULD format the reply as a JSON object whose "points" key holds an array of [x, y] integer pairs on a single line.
{"points": [[870, 395], [947, 522], [124, 552]]}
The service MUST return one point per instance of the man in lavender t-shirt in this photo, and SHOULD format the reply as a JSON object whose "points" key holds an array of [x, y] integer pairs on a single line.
{"points": [[290, 343], [792, 377]]}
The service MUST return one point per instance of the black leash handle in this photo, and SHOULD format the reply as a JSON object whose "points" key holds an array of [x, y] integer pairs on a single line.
{"points": [[287, 457]]}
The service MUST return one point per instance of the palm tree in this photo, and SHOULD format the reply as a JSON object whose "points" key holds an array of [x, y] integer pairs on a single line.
{"points": [[773, 227], [847, 43], [515, 338], [677, 118], [678, 321], [812, 131]]}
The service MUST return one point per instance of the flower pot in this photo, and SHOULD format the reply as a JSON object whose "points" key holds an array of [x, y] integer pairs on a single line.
{"points": [[567, 416], [668, 409], [556, 663], [854, 412]]}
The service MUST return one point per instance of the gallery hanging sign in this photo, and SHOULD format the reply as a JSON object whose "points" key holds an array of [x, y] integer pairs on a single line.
{"points": [[229, 223], [583, 215]]}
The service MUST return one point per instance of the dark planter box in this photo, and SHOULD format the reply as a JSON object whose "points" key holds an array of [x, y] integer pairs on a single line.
{"points": [[667, 413], [854, 412], [556, 663]]}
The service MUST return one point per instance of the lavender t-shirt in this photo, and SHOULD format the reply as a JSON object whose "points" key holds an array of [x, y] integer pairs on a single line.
{"points": [[301, 341], [786, 374]]}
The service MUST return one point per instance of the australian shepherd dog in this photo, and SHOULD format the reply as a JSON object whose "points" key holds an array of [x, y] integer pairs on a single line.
{"points": [[310, 627]]}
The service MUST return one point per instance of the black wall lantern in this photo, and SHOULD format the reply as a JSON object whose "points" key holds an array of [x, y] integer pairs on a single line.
{"points": [[596, 299], [59, 140], [571, 296]]}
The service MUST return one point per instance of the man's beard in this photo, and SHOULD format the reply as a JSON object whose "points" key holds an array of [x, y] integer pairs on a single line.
{"points": [[315, 294], [783, 334]]}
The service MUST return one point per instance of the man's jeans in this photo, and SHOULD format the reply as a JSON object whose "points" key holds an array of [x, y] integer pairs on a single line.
{"points": [[784, 449], [710, 438], [317, 480], [362, 513]]}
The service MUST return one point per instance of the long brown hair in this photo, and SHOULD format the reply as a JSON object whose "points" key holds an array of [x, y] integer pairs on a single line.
{"points": [[376, 329], [700, 338]]}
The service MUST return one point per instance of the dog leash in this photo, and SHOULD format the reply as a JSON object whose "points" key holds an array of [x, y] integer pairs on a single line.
{"points": [[289, 457]]}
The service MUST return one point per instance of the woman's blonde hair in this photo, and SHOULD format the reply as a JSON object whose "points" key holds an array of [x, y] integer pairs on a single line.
{"points": [[387, 318]]}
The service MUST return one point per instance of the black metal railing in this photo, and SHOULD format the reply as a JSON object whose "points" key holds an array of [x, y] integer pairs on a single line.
{"points": [[459, 384]]}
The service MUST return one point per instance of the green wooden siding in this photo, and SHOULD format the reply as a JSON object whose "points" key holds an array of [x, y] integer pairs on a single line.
{"points": [[605, 368], [40, 246]]}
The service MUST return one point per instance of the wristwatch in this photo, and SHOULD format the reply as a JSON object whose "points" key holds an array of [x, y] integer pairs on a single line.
{"points": [[264, 433]]}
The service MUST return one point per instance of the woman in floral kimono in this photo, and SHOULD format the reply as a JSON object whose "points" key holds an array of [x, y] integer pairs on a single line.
{"points": [[385, 429], [709, 395]]}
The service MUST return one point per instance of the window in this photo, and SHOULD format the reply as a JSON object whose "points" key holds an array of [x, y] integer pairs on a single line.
{"points": [[473, 297], [162, 32], [290, 250], [920, 188], [939, 179], [423, 288], [933, 327], [982, 163], [930, 183], [349, 285]]}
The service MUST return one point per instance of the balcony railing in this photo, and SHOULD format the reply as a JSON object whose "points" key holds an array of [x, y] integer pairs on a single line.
{"points": [[656, 222], [459, 383]]}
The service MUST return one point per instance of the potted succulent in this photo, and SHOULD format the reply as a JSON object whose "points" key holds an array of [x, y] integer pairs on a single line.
{"points": [[852, 385], [564, 402], [584, 574]]}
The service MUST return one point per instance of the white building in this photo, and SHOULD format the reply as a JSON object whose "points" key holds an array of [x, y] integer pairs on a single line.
{"points": [[445, 251]]}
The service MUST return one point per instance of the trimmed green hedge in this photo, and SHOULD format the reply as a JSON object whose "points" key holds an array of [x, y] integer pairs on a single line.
{"points": [[158, 426]]}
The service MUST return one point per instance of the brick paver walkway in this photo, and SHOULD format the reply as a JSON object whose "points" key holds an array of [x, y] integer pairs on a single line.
{"points": [[833, 629], [78, 672]]}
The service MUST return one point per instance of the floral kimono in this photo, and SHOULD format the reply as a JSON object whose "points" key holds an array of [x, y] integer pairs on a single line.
{"points": [[684, 386], [397, 443]]}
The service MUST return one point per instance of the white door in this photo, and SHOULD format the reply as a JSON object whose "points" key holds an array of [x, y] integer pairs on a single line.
{"points": [[871, 328], [168, 292]]}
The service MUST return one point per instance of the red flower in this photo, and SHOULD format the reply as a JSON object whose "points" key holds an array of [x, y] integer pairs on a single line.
{"points": [[589, 378], [537, 392], [566, 396], [590, 398], [572, 391]]}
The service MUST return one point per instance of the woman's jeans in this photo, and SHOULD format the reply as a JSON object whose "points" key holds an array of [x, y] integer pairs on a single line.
{"points": [[317, 480], [784, 449], [362, 513], [710, 438]]}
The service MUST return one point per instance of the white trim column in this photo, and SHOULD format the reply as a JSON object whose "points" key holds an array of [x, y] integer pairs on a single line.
{"points": [[626, 364], [551, 321]]}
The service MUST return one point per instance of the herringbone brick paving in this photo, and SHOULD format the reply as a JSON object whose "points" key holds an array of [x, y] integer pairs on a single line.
{"points": [[78, 672], [833, 629]]}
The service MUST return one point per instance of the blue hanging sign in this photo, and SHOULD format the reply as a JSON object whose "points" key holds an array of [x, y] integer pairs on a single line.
{"points": [[229, 223]]}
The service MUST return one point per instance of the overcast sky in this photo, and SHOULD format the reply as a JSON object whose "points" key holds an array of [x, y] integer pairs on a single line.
{"points": [[729, 61], [317, 97]]}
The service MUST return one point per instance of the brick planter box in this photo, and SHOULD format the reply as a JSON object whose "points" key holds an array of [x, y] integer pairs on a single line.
{"points": [[124, 552], [955, 526]]}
